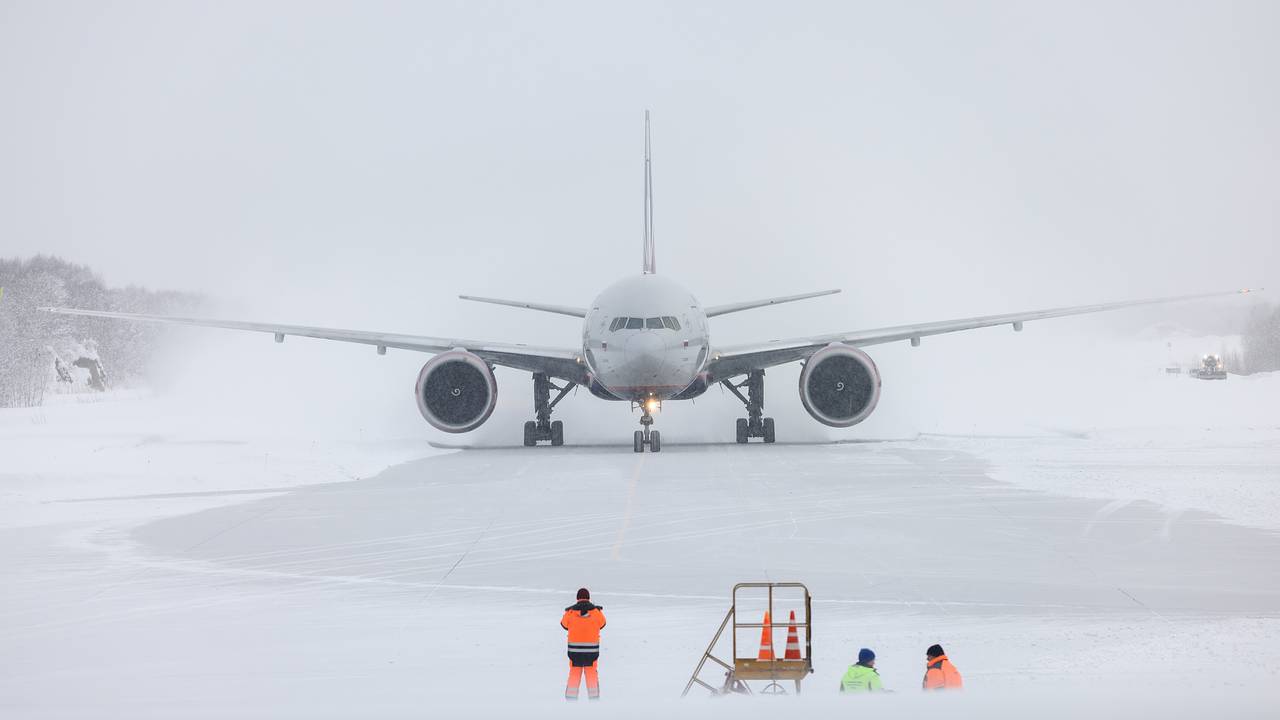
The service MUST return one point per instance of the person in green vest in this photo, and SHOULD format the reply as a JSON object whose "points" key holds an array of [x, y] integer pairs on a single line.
{"points": [[862, 677]]}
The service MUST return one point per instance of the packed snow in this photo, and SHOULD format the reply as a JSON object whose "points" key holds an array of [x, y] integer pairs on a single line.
{"points": [[166, 556]]}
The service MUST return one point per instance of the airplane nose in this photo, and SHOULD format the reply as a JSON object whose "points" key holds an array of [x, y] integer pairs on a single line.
{"points": [[645, 354]]}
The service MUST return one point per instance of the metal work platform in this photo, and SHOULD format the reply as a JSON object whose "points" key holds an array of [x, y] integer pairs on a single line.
{"points": [[743, 669]]}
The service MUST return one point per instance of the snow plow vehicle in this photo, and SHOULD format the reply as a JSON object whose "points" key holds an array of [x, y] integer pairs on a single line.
{"points": [[1211, 368]]}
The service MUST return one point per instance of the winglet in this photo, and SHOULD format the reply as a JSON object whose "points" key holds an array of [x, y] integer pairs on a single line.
{"points": [[650, 265]]}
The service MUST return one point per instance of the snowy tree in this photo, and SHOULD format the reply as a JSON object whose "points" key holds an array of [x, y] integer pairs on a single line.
{"points": [[30, 340]]}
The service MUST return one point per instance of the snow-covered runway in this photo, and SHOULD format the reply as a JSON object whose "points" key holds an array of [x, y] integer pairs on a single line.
{"points": [[892, 525], [440, 582]]}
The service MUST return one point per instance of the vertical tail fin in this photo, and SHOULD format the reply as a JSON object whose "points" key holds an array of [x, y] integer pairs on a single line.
{"points": [[650, 266]]}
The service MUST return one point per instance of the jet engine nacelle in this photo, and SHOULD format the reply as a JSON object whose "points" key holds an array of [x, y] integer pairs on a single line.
{"points": [[456, 391], [839, 385]]}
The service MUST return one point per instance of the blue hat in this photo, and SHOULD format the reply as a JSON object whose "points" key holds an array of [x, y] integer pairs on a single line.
{"points": [[865, 655]]}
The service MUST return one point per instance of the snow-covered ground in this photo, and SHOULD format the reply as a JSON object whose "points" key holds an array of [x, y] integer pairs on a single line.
{"points": [[83, 446], [168, 558]]}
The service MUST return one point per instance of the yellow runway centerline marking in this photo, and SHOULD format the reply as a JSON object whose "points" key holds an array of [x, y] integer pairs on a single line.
{"points": [[626, 515]]}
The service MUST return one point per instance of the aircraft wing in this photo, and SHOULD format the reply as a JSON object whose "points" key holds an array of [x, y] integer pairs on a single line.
{"points": [[736, 360], [561, 363]]}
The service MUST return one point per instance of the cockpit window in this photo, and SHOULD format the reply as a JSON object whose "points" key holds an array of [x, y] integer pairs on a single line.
{"points": [[653, 323]]}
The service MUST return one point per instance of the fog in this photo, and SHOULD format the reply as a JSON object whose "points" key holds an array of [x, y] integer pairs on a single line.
{"points": [[359, 165], [363, 163]]}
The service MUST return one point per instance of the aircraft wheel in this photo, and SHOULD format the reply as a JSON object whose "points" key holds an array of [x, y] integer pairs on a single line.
{"points": [[557, 433], [638, 442], [768, 430], [742, 431], [655, 441], [530, 428]]}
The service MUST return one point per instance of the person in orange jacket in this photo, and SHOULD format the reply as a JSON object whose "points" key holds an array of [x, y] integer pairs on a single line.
{"points": [[939, 673], [584, 621]]}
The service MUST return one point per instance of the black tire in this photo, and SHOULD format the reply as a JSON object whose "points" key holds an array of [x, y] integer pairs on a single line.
{"points": [[742, 431], [530, 428], [768, 430], [655, 441], [557, 433], [638, 442]]}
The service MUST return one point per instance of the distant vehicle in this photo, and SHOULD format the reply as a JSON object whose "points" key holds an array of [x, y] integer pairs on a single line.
{"points": [[1211, 368]]}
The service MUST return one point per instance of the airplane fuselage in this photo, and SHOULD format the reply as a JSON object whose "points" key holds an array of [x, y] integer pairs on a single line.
{"points": [[645, 338]]}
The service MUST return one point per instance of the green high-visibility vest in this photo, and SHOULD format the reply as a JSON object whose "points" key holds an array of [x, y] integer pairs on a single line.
{"points": [[860, 678]]}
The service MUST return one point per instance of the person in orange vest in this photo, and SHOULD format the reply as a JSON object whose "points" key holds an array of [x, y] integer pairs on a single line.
{"points": [[584, 621], [939, 673]]}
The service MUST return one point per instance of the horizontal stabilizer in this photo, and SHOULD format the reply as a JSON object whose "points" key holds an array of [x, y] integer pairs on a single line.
{"points": [[715, 310], [558, 309]]}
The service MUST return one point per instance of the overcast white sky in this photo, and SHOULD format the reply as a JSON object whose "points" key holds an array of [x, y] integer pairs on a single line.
{"points": [[362, 163]]}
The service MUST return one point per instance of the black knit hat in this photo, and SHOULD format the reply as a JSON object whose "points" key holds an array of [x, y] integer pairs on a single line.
{"points": [[934, 651], [584, 594]]}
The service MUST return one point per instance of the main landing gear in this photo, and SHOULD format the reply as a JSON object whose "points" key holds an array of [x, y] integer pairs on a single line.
{"points": [[753, 425], [645, 436], [544, 428]]}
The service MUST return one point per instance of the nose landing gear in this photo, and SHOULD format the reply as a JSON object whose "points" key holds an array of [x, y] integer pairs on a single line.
{"points": [[754, 425], [645, 436], [544, 428]]}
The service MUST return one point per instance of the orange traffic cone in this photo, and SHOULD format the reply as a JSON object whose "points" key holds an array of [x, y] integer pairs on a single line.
{"points": [[793, 640], [766, 640]]}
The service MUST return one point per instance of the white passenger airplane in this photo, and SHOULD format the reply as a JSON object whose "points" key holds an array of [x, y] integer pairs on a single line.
{"points": [[645, 340]]}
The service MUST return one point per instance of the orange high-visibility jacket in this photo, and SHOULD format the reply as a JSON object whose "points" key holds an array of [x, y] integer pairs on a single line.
{"points": [[583, 629], [940, 674], [584, 622]]}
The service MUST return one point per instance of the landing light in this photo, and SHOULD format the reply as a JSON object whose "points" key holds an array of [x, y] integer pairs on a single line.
{"points": [[652, 405]]}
